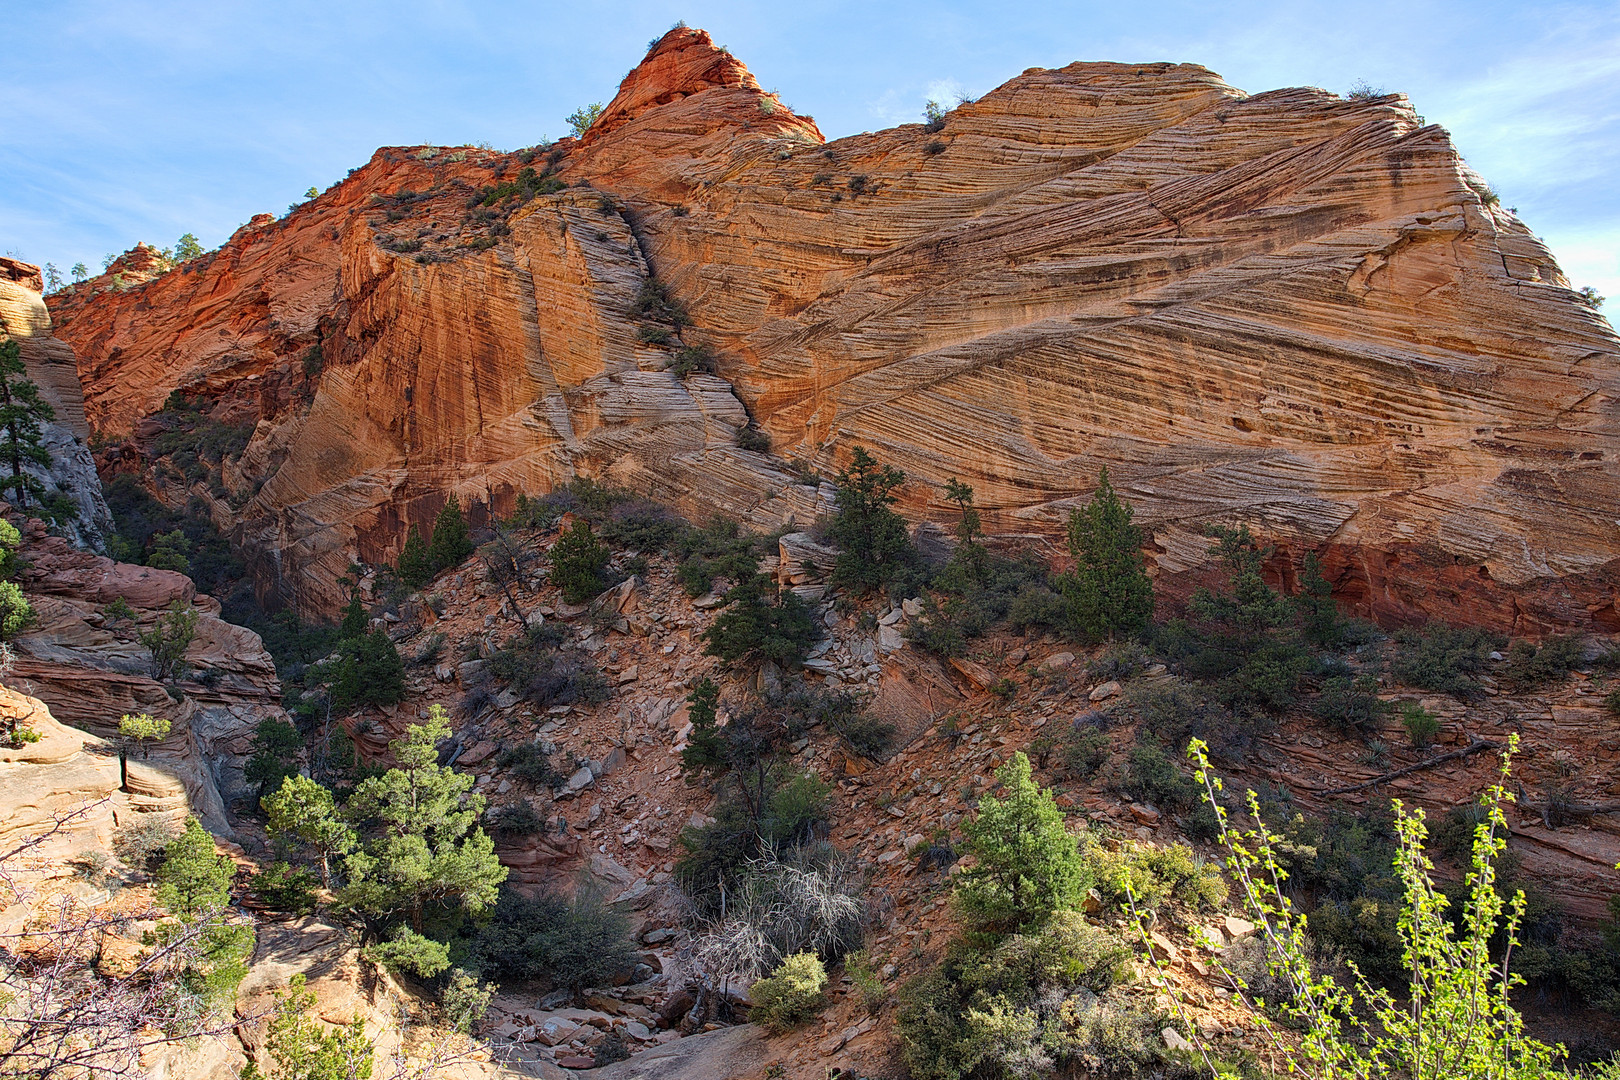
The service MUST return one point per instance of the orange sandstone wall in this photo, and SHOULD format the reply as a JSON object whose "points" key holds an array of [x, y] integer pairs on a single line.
{"points": [[1287, 309]]}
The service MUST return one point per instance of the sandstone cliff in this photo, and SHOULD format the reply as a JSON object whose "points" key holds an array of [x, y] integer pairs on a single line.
{"points": [[1287, 309], [50, 363]]}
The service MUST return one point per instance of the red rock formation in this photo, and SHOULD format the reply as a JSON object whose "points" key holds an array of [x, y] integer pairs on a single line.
{"points": [[90, 669], [1288, 309]]}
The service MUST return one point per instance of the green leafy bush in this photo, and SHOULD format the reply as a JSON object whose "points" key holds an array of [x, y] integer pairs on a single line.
{"points": [[1421, 724], [793, 994], [693, 360], [761, 622], [464, 1001], [1462, 1029], [1350, 704], [1083, 751], [792, 808], [1150, 875], [368, 671], [1530, 665], [286, 888], [1443, 658], [407, 952], [194, 886], [533, 668], [15, 610], [1033, 1003], [300, 1046], [530, 763], [568, 942], [1243, 638], [978, 589]]}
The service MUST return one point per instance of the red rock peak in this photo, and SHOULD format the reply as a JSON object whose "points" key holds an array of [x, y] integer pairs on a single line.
{"points": [[684, 62]]}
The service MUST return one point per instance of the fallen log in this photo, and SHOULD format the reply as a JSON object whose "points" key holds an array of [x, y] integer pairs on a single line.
{"points": [[1475, 746]]}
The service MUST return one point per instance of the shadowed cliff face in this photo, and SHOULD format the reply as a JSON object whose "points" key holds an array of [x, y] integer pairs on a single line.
{"points": [[1290, 310]]}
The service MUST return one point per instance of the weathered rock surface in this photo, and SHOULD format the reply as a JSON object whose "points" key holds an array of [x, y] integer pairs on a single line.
{"points": [[1288, 309], [90, 669], [50, 363]]}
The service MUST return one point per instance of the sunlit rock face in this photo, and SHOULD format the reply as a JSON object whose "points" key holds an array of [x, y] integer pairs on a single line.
{"points": [[1290, 310]]}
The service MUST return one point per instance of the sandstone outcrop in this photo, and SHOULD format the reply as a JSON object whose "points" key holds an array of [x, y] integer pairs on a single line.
{"points": [[1291, 310], [50, 363], [86, 664]]}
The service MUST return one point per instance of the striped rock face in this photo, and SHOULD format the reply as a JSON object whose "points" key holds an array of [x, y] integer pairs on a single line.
{"points": [[1289, 310]]}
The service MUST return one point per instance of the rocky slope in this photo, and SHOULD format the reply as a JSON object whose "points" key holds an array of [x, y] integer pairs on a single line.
{"points": [[619, 815], [1287, 309]]}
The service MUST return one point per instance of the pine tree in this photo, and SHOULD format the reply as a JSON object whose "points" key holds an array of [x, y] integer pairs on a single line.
{"points": [[193, 879], [875, 549], [273, 755], [762, 622], [23, 414], [369, 671], [1108, 593], [705, 750], [187, 247], [415, 566], [451, 544], [354, 620], [577, 562], [426, 849], [1028, 863], [304, 809], [971, 555], [194, 885]]}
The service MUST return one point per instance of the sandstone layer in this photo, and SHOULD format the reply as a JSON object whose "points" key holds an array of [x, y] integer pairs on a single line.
{"points": [[87, 665], [1291, 310]]}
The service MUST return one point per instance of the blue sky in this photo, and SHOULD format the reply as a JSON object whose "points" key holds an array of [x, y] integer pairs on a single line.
{"points": [[144, 119]]}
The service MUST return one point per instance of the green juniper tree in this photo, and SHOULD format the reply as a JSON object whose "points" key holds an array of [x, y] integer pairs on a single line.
{"points": [[187, 247], [452, 544], [414, 566], [194, 886], [273, 755], [23, 414], [304, 810], [301, 1048], [581, 119], [875, 550], [1029, 865], [422, 852], [168, 640], [15, 610], [761, 622], [1107, 594], [577, 562], [970, 553]]}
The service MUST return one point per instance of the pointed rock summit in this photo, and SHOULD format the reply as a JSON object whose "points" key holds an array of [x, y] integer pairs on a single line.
{"points": [[683, 64]]}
